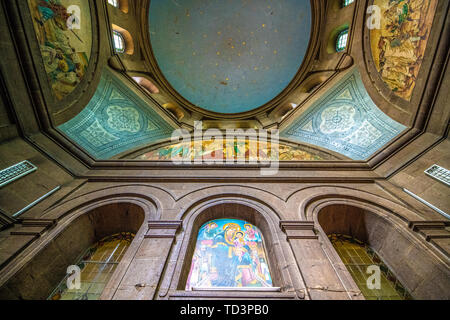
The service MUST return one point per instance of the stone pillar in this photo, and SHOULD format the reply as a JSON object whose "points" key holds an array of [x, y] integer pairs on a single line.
{"points": [[320, 276], [144, 272]]}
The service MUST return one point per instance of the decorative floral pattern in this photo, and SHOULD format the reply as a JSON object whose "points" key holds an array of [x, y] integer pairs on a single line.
{"points": [[337, 119], [123, 119], [115, 120], [345, 120], [97, 135]]}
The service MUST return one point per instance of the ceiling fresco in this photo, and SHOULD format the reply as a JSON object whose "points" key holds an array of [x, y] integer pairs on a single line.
{"points": [[233, 149], [65, 52], [345, 120], [115, 120], [398, 46], [229, 56]]}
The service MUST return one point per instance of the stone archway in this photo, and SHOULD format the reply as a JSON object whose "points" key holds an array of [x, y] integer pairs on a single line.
{"points": [[42, 273]]}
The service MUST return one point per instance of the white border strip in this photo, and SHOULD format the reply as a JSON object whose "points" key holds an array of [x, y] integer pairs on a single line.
{"points": [[18, 213], [426, 203]]}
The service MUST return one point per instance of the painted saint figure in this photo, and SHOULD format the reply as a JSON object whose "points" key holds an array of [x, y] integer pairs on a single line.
{"points": [[229, 253]]}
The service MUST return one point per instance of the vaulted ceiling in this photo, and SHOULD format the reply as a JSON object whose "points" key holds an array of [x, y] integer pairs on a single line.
{"points": [[229, 56], [233, 64]]}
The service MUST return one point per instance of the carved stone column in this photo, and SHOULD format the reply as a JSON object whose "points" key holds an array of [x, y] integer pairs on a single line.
{"points": [[143, 275], [321, 278]]}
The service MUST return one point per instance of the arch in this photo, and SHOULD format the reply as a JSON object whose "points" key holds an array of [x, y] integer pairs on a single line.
{"points": [[152, 200], [417, 266], [281, 260], [302, 201], [62, 246]]}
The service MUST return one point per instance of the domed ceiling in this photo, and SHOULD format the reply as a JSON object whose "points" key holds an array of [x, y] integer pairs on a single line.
{"points": [[229, 56]]}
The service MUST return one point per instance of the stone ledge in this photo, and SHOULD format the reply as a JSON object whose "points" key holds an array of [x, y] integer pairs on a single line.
{"points": [[163, 229], [298, 229]]}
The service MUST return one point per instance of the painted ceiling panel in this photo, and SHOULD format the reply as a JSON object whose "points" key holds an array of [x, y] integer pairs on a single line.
{"points": [[345, 120], [229, 56], [115, 120], [65, 52]]}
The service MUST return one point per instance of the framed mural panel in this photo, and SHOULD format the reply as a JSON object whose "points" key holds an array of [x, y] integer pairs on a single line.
{"points": [[231, 149], [63, 30], [398, 46], [229, 253]]}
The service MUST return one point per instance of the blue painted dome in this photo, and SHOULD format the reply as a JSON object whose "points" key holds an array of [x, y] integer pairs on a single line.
{"points": [[229, 56]]}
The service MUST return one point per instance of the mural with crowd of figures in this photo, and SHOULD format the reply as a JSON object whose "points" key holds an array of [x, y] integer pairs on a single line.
{"points": [[63, 30], [231, 149], [229, 253], [398, 46]]}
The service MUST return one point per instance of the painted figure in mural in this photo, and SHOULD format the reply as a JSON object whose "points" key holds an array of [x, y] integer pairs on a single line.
{"points": [[64, 65], [399, 47], [229, 253], [231, 150]]}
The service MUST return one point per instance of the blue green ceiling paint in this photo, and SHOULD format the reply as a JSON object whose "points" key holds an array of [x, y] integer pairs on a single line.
{"points": [[115, 120], [345, 120], [229, 56]]}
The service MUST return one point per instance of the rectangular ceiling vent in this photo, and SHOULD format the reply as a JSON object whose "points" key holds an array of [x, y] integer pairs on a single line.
{"points": [[439, 173], [16, 171]]}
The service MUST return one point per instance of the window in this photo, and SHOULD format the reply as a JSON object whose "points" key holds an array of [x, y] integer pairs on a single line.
{"points": [[347, 3], [357, 257], [119, 42], [229, 253], [97, 265], [341, 40], [114, 3]]}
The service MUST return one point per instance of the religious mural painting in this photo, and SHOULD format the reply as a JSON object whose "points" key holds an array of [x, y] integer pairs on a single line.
{"points": [[63, 30], [398, 47], [231, 149], [229, 253]]}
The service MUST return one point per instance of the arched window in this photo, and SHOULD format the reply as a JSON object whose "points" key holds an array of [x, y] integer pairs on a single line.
{"points": [[358, 258], [347, 3], [341, 40], [119, 42], [229, 253], [97, 265], [114, 3], [122, 40]]}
